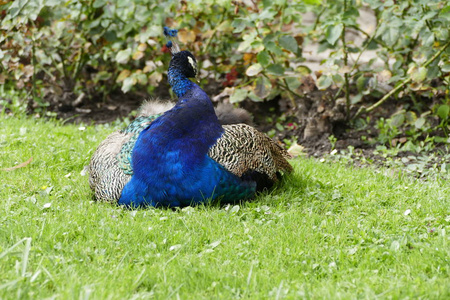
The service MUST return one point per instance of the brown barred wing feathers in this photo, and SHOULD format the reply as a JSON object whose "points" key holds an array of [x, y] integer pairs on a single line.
{"points": [[106, 177], [250, 154]]}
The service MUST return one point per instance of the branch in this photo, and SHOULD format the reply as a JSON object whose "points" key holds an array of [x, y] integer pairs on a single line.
{"points": [[363, 109], [357, 59], [347, 83], [222, 17], [316, 22], [378, 41]]}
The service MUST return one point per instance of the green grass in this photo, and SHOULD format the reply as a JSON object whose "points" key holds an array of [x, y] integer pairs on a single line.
{"points": [[329, 231]]}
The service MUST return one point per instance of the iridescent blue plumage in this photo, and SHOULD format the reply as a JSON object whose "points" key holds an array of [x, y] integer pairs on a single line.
{"points": [[184, 156], [124, 156], [170, 32], [170, 161]]}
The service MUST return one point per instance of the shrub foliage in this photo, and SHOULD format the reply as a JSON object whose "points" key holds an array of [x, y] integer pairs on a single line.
{"points": [[59, 51]]}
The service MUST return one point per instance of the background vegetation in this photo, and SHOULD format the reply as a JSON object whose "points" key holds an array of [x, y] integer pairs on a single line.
{"points": [[62, 53]]}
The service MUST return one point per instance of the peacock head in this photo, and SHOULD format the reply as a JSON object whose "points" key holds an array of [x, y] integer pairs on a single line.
{"points": [[185, 62], [182, 61]]}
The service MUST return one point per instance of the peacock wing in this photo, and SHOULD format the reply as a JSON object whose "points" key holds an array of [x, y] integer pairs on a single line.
{"points": [[106, 177], [110, 167], [250, 155]]}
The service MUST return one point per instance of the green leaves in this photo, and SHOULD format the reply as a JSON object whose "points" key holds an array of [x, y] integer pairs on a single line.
{"points": [[99, 3], [20, 11], [263, 88], [289, 43], [272, 47], [275, 69], [123, 56], [128, 83], [419, 122], [254, 70], [418, 74], [324, 82], [443, 111], [333, 33], [263, 40], [390, 31], [351, 13], [238, 95], [263, 58], [446, 67], [239, 24]]}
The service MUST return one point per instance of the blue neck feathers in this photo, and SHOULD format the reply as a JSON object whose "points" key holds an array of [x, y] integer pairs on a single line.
{"points": [[180, 84]]}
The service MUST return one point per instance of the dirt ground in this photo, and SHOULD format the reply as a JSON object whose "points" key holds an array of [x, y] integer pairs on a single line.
{"points": [[311, 123]]}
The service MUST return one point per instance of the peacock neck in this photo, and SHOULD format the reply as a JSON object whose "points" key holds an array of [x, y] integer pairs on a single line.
{"points": [[179, 82]]}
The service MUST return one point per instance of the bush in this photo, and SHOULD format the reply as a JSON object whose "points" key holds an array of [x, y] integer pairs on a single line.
{"points": [[62, 51]]}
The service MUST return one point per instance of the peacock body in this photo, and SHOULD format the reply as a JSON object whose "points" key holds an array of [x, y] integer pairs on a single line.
{"points": [[184, 156], [110, 166]]}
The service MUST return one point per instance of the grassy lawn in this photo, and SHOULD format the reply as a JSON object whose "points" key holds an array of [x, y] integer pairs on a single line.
{"points": [[329, 231]]}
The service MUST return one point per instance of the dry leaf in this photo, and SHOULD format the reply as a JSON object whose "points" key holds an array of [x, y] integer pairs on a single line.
{"points": [[155, 78], [21, 165], [20, 84], [207, 34], [149, 66], [124, 74], [142, 47], [384, 76], [170, 23], [186, 36], [248, 58], [296, 150], [138, 55], [28, 71], [228, 91]]}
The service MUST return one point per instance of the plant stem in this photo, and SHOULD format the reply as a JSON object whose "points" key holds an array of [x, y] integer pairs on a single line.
{"points": [[33, 49], [286, 88], [214, 32], [34, 62], [79, 64], [347, 83], [64, 69], [378, 41], [316, 22], [363, 109], [357, 58], [284, 83]]}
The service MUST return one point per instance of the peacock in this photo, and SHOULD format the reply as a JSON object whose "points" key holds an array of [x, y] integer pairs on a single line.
{"points": [[184, 156]]}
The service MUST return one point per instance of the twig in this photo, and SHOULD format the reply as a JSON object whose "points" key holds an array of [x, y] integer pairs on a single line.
{"points": [[378, 41], [33, 49], [363, 109], [359, 56], [214, 32], [316, 22], [347, 83], [21, 165], [285, 85]]}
